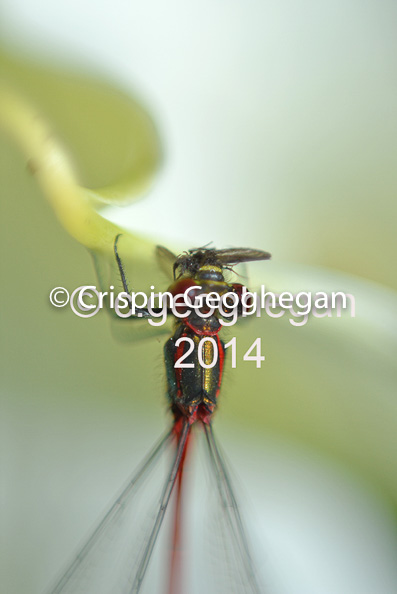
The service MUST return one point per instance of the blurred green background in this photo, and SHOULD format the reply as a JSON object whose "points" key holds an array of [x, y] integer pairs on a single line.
{"points": [[278, 131]]}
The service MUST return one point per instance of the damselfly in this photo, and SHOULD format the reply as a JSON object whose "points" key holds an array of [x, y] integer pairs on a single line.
{"points": [[194, 357]]}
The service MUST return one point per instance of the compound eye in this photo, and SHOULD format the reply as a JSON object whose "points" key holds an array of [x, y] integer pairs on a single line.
{"points": [[178, 290], [239, 289]]}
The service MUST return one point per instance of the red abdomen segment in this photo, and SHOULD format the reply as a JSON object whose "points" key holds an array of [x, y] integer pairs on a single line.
{"points": [[193, 390]]}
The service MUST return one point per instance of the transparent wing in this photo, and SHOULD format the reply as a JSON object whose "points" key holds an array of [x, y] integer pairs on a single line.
{"points": [[233, 567], [109, 560], [126, 555], [166, 260], [236, 255]]}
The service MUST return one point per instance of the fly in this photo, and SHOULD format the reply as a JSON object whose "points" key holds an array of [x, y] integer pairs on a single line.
{"points": [[192, 391]]}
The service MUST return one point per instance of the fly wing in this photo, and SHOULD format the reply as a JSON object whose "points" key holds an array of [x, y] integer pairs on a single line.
{"points": [[166, 260], [235, 255], [106, 562]]}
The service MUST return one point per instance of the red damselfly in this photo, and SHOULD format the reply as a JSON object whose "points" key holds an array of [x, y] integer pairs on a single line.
{"points": [[104, 566]]}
